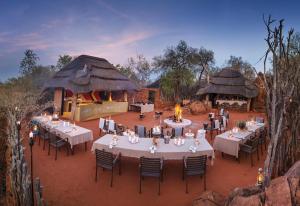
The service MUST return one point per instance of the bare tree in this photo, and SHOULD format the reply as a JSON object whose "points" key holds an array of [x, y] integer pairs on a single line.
{"points": [[282, 99]]}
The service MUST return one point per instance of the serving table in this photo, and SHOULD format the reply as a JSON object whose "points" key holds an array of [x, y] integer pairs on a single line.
{"points": [[183, 123], [230, 144], [73, 133], [168, 151], [142, 107]]}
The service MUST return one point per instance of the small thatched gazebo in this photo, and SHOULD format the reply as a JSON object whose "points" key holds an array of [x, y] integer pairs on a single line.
{"points": [[229, 89], [84, 88]]}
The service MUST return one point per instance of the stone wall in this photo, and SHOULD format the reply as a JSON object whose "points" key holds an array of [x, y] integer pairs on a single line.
{"points": [[143, 96], [283, 190]]}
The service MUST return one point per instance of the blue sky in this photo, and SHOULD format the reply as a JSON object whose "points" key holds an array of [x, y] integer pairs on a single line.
{"points": [[116, 30]]}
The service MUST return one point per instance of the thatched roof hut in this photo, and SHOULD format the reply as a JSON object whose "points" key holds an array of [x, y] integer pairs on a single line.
{"points": [[87, 73], [230, 82]]}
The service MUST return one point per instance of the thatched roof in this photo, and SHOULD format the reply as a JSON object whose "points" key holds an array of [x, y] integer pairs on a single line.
{"points": [[230, 81], [88, 73]]}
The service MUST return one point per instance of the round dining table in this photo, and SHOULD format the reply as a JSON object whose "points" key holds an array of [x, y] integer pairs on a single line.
{"points": [[183, 123]]}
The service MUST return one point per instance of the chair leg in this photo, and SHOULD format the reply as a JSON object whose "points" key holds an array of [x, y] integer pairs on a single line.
{"points": [[261, 149], [120, 165], [39, 140], [257, 153], [182, 169], [251, 160], [49, 148], [140, 184], [186, 185], [56, 153], [112, 176], [204, 182], [158, 186], [85, 146], [96, 176], [44, 143]]}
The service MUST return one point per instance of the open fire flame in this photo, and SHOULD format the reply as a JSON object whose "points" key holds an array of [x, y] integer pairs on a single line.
{"points": [[178, 113]]}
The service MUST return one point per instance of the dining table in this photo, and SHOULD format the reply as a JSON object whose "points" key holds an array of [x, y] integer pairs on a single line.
{"points": [[74, 134], [142, 148], [229, 141]]}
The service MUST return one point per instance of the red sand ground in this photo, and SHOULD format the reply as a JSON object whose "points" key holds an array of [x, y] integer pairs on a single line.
{"points": [[71, 179]]}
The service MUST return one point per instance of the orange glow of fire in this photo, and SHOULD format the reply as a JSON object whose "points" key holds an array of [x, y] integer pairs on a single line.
{"points": [[109, 99], [178, 112]]}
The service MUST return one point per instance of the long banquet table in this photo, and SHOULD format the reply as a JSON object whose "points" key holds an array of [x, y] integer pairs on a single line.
{"points": [[73, 133], [142, 148], [230, 145]]}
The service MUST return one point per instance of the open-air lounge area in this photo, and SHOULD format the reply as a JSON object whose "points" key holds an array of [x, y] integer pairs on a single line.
{"points": [[188, 103]]}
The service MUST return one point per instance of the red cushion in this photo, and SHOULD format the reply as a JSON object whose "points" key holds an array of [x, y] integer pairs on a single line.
{"points": [[96, 97]]}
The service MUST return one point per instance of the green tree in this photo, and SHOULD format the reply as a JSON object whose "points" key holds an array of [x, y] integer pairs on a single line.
{"points": [[205, 60], [62, 61], [28, 62], [128, 72], [140, 66], [175, 63], [237, 63]]}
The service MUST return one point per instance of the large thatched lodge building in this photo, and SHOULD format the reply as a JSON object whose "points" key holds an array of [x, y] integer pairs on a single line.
{"points": [[90, 87], [229, 89]]}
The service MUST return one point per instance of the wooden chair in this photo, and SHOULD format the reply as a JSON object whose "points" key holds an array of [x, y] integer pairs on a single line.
{"points": [[44, 135], [140, 130], [57, 142], [262, 139], [151, 167], [259, 119], [107, 160], [250, 147], [111, 128], [177, 132], [194, 166], [160, 135], [102, 125]]}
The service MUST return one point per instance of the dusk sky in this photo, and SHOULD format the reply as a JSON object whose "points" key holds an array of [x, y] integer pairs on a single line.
{"points": [[116, 30]]}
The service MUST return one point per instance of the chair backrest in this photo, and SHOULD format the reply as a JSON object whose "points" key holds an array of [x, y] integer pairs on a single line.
{"points": [[221, 111], [259, 119], [197, 163], [254, 142], [150, 165], [201, 133], [53, 137], [102, 123], [140, 130], [111, 125], [177, 131], [167, 131], [205, 126], [217, 124], [104, 158], [224, 121]]}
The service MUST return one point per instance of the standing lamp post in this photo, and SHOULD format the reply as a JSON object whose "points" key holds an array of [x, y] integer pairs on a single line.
{"points": [[31, 143]]}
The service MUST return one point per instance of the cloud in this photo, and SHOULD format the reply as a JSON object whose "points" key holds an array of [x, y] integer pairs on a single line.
{"points": [[113, 10], [116, 50]]}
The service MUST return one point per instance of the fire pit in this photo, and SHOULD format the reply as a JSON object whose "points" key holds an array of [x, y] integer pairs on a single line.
{"points": [[177, 120]]}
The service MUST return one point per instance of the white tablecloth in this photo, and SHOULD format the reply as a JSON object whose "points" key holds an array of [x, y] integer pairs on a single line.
{"points": [[230, 145], [142, 148], [145, 107], [75, 135], [184, 123]]}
